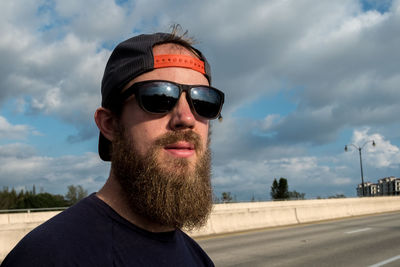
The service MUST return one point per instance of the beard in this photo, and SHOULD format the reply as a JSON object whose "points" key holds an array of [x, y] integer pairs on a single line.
{"points": [[174, 193]]}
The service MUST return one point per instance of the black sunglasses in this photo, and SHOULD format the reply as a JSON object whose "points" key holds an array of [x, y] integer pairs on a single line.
{"points": [[160, 97]]}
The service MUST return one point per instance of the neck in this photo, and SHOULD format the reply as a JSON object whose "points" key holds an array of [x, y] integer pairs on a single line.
{"points": [[113, 195]]}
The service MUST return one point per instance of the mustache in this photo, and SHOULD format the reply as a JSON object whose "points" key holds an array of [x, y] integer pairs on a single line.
{"points": [[176, 136]]}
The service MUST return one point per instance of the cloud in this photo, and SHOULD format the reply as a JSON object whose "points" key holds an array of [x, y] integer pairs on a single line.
{"points": [[13, 132], [17, 151], [383, 155], [341, 73], [247, 165], [57, 75], [95, 20], [304, 173], [21, 166], [61, 79], [339, 63]]}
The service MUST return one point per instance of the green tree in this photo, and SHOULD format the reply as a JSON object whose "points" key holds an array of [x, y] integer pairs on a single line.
{"points": [[226, 197], [283, 188], [280, 190], [74, 194], [274, 189], [215, 198], [338, 196], [42, 200], [8, 199], [296, 195], [30, 199]]}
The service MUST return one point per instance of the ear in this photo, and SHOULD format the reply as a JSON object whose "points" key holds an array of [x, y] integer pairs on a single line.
{"points": [[105, 121]]}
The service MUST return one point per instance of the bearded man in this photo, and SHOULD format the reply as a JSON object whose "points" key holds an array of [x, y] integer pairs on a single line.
{"points": [[154, 128]]}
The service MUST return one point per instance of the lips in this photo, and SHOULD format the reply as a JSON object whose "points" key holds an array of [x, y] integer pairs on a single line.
{"points": [[181, 149]]}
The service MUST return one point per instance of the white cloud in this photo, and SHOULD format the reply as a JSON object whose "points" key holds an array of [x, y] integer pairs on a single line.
{"points": [[304, 174], [20, 166], [269, 121], [94, 20], [13, 132], [60, 78], [251, 170], [16, 151], [383, 155], [342, 181]]}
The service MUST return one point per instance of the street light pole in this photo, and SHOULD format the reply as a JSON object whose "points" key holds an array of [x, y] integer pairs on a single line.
{"points": [[361, 167], [362, 173]]}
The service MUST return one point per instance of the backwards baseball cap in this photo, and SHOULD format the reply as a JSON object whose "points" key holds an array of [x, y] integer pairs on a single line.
{"points": [[134, 57]]}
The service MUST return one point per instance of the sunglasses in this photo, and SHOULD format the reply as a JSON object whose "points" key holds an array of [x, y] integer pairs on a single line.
{"points": [[160, 97]]}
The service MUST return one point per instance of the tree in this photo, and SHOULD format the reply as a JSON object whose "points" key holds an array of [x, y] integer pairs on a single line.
{"points": [[74, 194], [29, 199], [280, 190], [338, 196], [215, 198], [274, 189], [8, 199], [226, 197], [296, 195], [42, 200], [283, 188]]}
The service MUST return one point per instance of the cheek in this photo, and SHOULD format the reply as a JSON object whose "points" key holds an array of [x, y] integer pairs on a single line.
{"points": [[204, 133], [144, 136], [142, 128]]}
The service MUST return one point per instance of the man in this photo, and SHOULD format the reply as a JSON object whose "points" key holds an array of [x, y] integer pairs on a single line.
{"points": [[154, 128]]}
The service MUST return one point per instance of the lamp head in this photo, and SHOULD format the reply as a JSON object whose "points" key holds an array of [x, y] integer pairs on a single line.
{"points": [[345, 148]]}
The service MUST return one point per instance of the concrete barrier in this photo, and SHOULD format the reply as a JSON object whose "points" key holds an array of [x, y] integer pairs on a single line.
{"points": [[228, 218], [234, 217], [14, 226]]}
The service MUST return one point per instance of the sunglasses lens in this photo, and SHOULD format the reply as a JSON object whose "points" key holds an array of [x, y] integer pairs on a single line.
{"points": [[206, 101], [159, 97]]}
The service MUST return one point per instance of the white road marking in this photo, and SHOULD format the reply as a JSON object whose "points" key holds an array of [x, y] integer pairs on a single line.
{"points": [[386, 261], [359, 230]]}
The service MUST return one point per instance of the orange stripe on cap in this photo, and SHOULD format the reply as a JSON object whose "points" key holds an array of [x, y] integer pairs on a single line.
{"points": [[164, 61]]}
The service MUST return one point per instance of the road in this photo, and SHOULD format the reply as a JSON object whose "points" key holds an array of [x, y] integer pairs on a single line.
{"points": [[363, 241]]}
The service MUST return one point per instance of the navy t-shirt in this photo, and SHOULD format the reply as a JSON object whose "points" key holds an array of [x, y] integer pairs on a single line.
{"points": [[91, 233]]}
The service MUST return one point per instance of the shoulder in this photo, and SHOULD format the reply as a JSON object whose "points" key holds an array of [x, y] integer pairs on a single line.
{"points": [[72, 235], [194, 250]]}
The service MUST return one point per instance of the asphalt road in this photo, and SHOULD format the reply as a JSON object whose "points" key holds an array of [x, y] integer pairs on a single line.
{"points": [[363, 241]]}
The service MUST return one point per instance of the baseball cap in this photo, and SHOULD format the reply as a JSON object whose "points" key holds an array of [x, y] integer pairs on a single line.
{"points": [[130, 59]]}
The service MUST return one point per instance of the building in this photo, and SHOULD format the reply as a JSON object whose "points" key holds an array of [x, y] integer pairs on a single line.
{"points": [[388, 186], [370, 189], [375, 190]]}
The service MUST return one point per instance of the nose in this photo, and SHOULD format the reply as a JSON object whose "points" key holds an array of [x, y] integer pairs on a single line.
{"points": [[182, 116]]}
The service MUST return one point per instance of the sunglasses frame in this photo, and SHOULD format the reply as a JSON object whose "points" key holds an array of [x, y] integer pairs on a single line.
{"points": [[134, 90]]}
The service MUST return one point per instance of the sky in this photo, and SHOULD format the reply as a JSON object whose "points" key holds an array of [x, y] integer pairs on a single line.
{"points": [[301, 78]]}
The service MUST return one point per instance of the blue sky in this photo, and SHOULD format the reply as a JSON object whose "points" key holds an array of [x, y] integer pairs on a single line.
{"points": [[302, 79]]}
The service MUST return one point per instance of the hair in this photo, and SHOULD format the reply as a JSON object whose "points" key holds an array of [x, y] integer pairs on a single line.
{"points": [[180, 37]]}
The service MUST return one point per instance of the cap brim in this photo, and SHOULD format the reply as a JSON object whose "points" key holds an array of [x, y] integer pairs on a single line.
{"points": [[104, 148]]}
